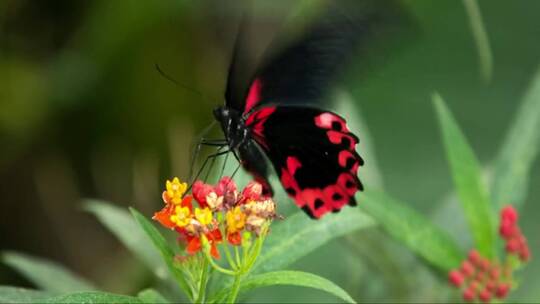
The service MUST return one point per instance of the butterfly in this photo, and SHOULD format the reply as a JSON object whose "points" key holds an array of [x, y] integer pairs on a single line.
{"points": [[276, 116]]}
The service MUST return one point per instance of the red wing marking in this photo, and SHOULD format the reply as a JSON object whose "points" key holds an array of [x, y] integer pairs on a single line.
{"points": [[331, 121], [337, 138], [317, 202], [254, 95], [348, 160], [256, 121]]}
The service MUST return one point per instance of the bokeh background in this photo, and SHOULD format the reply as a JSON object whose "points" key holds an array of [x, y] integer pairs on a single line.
{"points": [[84, 113]]}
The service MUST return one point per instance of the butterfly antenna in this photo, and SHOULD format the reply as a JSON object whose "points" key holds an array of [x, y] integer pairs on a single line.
{"points": [[183, 86]]}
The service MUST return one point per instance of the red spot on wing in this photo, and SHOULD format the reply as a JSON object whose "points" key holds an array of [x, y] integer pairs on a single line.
{"points": [[332, 121], [338, 138], [348, 160], [254, 95]]}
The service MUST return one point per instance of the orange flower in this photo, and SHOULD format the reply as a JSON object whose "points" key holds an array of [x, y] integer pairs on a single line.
{"points": [[168, 216]]}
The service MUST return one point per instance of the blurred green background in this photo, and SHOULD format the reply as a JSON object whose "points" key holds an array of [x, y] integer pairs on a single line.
{"points": [[84, 113]]}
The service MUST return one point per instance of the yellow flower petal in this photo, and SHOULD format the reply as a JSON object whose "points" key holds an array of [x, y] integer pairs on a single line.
{"points": [[204, 216]]}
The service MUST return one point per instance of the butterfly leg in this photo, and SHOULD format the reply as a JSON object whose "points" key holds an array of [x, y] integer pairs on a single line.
{"points": [[208, 158], [197, 149]]}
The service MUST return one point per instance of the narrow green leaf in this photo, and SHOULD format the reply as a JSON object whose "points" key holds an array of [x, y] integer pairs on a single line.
{"points": [[91, 297], [45, 274], [120, 222], [159, 242], [481, 38], [9, 294], [287, 277], [467, 176], [151, 296], [413, 230], [519, 150], [299, 235]]}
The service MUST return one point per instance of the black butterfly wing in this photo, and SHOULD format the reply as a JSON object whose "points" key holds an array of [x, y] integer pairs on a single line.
{"points": [[252, 159], [313, 152]]}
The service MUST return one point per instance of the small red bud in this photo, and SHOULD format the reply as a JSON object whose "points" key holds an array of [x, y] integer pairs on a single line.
{"points": [[502, 290], [480, 276], [467, 268], [474, 256], [474, 285], [455, 278], [485, 264], [524, 254], [491, 285], [507, 229], [509, 214], [512, 246], [485, 295], [469, 294], [495, 273]]}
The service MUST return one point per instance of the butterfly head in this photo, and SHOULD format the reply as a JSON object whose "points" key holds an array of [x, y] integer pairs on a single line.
{"points": [[232, 124]]}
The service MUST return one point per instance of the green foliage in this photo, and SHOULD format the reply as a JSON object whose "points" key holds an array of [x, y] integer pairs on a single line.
{"points": [[299, 235], [412, 229], [91, 297], [294, 278], [45, 274], [151, 296], [10, 294], [162, 246], [519, 150], [467, 176], [124, 227]]}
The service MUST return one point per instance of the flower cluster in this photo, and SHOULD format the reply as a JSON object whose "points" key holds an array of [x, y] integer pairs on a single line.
{"points": [[482, 279], [222, 210], [516, 243]]}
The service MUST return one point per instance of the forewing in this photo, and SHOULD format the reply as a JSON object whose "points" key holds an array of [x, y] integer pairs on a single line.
{"points": [[302, 73], [313, 152]]}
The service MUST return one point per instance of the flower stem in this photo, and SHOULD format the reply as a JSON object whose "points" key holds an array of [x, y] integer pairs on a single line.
{"points": [[229, 258], [201, 294], [235, 288]]}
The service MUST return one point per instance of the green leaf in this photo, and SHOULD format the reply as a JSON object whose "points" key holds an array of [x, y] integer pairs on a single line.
{"points": [[10, 294], [287, 277], [151, 296], [299, 235], [467, 176], [481, 38], [123, 226], [91, 298], [159, 242], [518, 152], [46, 274], [412, 229]]}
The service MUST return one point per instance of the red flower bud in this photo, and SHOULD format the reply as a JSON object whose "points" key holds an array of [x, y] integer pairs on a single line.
{"points": [[485, 295], [200, 191], [225, 185], [474, 257], [467, 268], [502, 290], [469, 294], [509, 214], [485, 264], [491, 285], [525, 254], [512, 246], [252, 191], [495, 273], [506, 230], [455, 278]]}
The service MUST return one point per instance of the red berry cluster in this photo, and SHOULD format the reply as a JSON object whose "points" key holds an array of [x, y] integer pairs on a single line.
{"points": [[482, 279], [516, 243]]}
